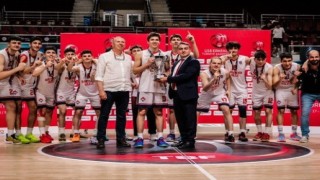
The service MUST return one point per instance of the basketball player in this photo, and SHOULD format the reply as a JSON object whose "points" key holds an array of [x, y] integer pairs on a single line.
{"points": [[262, 94], [151, 92], [65, 90], [9, 84], [286, 94], [32, 58], [216, 88], [87, 90], [236, 65], [47, 74]]}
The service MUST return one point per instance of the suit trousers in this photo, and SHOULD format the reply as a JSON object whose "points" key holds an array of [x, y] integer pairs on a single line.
{"points": [[186, 117]]}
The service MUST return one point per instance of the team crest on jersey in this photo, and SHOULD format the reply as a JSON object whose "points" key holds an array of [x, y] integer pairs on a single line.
{"points": [[60, 97], [40, 100], [278, 102], [164, 98], [142, 99], [77, 102]]}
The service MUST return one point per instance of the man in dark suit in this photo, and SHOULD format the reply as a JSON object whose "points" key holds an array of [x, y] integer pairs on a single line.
{"points": [[183, 90]]}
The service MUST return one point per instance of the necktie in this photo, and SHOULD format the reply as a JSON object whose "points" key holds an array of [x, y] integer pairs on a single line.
{"points": [[173, 85]]}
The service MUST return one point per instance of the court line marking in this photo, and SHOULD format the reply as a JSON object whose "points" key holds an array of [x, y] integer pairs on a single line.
{"points": [[194, 164]]}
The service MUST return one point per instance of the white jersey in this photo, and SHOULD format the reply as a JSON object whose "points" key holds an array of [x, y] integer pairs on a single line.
{"points": [[47, 81], [30, 81], [219, 87], [285, 82], [87, 87], [10, 62], [259, 86], [147, 83], [67, 82], [173, 57], [237, 71]]}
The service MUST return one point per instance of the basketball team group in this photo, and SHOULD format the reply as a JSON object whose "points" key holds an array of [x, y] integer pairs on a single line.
{"points": [[153, 79]]}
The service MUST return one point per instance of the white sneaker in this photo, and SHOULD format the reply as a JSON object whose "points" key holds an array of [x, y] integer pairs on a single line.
{"points": [[93, 140], [304, 139], [153, 137]]}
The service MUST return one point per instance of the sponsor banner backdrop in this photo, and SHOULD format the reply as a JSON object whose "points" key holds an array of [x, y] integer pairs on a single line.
{"points": [[211, 42]]}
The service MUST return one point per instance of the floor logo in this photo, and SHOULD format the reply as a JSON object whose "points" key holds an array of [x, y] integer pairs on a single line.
{"points": [[206, 152]]}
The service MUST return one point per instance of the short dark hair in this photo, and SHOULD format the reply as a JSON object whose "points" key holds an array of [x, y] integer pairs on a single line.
{"points": [[136, 46], [285, 55], [69, 50], [35, 38], [233, 44], [154, 34], [50, 48], [14, 38], [85, 52], [175, 36], [260, 54]]}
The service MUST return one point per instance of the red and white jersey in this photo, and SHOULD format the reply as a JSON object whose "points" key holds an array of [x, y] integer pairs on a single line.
{"points": [[285, 82], [259, 86], [67, 81], [218, 87], [47, 81], [10, 62], [147, 82], [237, 71], [30, 81], [173, 57], [87, 87]]}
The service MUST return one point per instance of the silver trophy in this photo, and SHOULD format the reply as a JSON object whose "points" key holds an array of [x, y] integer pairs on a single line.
{"points": [[160, 62]]}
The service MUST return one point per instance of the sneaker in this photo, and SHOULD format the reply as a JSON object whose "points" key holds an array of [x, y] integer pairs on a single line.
{"points": [[128, 138], [23, 139], [281, 137], [258, 136], [62, 137], [265, 137], [76, 137], [178, 139], [83, 136], [171, 137], [304, 139], [47, 133], [138, 143], [229, 139], [100, 144], [44, 138], [295, 137], [226, 136], [32, 138], [93, 140], [12, 140], [242, 137], [162, 143], [153, 137], [135, 138]]}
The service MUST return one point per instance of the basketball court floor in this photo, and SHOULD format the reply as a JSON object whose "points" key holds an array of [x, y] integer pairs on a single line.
{"points": [[211, 159]]}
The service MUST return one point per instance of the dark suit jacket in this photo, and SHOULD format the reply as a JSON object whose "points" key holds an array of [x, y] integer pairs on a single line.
{"points": [[186, 80]]}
